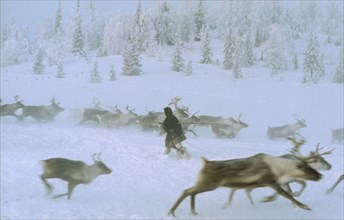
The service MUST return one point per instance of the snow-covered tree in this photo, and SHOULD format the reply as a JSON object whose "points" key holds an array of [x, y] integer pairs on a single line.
{"points": [[258, 40], [199, 20], [164, 25], [94, 76], [131, 59], [78, 41], [312, 64], [60, 72], [237, 59], [38, 66], [58, 19], [15, 44], [229, 49], [339, 74], [295, 61], [112, 73], [188, 69], [248, 54], [115, 35], [206, 50], [178, 60], [274, 52], [94, 27]]}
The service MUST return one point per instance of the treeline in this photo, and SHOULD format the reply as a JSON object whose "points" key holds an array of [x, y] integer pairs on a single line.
{"points": [[273, 27]]}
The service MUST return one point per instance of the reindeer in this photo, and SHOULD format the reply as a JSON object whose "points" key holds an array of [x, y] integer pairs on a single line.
{"points": [[151, 121], [92, 114], [10, 109], [314, 160], [229, 127], [74, 172], [42, 113], [110, 118], [338, 135], [260, 170], [286, 130], [330, 190], [128, 118]]}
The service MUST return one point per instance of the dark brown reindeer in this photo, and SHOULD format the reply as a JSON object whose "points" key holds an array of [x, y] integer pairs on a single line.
{"points": [[314, 160], [260, 170], [74, 172], [10, 109]]}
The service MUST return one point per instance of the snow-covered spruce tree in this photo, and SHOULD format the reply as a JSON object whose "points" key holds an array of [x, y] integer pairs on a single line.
{"points": [[296, 61], [206, 50], [339, 74], [237, 59], [38, 66], [164, 25], [94, 27], [58, 19], [178, 60], [199, 20], [230, 47], [274, 53], [60, 72], [131, 59], [112, 73], [313, 65], [15, 44], [94, 74], [188, 69], [78, 42], [258, 40], [248, 55]]}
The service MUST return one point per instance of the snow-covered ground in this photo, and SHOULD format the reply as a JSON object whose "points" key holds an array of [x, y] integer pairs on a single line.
{"points": [[145, 183]]}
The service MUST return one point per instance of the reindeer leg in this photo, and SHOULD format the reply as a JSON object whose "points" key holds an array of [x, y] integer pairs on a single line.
{"points": [[71, 186], [185, 194], [285, 194], [188, 192], [303, 186], [47, 185], [334, 186], [230, 198], [248, 193]]}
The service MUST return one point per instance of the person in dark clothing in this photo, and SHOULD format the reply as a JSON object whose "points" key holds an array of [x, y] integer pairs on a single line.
{"points": [[175, 134]]}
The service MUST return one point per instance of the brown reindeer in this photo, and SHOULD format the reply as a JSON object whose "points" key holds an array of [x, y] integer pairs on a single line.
{"points": [[260, 170], [74, 172]]}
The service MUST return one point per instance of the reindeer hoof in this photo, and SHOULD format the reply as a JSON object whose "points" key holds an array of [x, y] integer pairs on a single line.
{"points": [[303, 206], [194, 213], [268, 199], [170, 213]]}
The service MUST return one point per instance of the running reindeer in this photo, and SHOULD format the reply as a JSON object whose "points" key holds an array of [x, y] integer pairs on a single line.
{"points": [[74, 172], [314, 160], [260, 170]]}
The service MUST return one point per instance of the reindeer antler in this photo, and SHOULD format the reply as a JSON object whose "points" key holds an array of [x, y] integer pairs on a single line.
{"points": [[317, 150], [297, 144]]}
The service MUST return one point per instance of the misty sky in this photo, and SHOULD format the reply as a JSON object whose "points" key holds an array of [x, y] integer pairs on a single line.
{"points": [[33, 12]]}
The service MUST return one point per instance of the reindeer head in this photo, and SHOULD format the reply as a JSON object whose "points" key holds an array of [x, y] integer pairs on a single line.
{"points": [[316, 161], [100, 165]]}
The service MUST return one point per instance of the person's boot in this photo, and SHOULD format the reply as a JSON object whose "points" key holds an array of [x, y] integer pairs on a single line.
{"points": [[182, 152], [167, 150]]}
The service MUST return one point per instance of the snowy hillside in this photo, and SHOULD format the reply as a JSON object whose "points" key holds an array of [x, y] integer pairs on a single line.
{"points": [[145, 183], [275, 88]]}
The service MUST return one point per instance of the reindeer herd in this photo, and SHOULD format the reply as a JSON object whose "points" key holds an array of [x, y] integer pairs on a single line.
{"points": [[260, 170], [114, 117]]}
